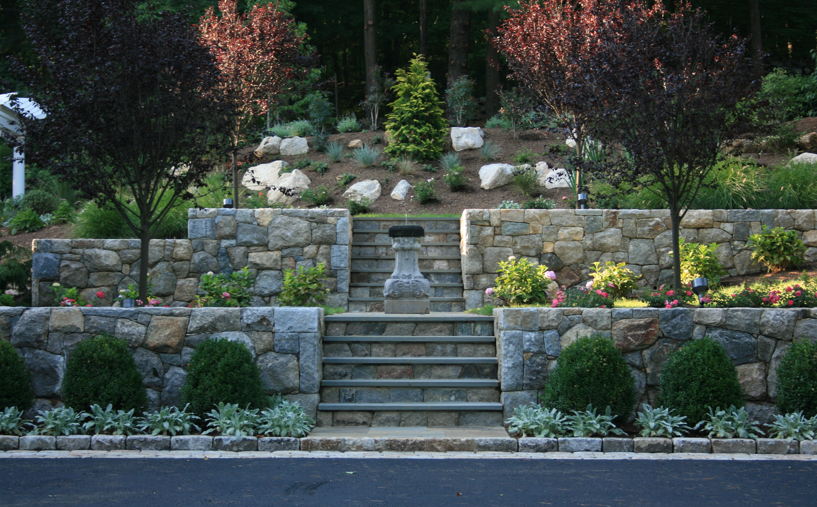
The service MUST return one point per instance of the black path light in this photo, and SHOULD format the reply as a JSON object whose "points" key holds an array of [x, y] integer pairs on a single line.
{"points": [[699, 286], [582, 200]]}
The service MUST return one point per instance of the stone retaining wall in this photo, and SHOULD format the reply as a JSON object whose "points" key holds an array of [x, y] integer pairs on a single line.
{"points": [[530, 340], [286, 343], [266, 241], [570, 241]]}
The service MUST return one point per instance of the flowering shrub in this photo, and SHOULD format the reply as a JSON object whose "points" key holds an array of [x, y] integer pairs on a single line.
{"points": [[225, 290], [67, 296], [424, 190], [304, 287], [522, 282], [667, 298], [583, 297], [792, 296], [614, 278]]}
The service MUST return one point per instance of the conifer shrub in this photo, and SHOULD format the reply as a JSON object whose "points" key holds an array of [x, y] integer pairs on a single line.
{"points": [[15, 380], [416, 125], [591, 371], [697, 377], [797, 380], [102, 371], [222, 371]]}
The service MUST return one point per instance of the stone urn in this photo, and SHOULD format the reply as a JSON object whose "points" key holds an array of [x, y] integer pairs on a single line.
{"points": [[406, 290]]}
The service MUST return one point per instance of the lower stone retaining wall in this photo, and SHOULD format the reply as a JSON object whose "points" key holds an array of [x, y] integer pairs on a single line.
{"points": [[530, 340], [286, 343]]}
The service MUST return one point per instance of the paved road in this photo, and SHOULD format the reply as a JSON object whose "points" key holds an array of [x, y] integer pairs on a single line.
{"points": [[392, 482]]}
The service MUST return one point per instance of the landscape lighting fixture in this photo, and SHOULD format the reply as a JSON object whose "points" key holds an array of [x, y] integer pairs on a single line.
{"points": [[228, 203], [699, 286], [582, 200]]}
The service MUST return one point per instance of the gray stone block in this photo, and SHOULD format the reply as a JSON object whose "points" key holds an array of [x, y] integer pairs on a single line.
{"points": [[652, 445], [45, 266], [340, 257], [298, 320], [46, 371], [777, 446], [510, 355], [287, 343], [692, 445], [108, 442], [147, 443], [235, 444], [202, 228], [397, 444], [73, 443], [214, 320], [257, 319], [362, 444], [279, 372], [677, 323], [191, 443], [37, 443], [531, 444], [250, 235], [734, 446], [31, 329], [309, 402], [808, 447], [9, 442], [617, 444], [511, 400], [172, 383], [495, 444], [321, 444], [272, 444], [740, 347], [310, 362], [580, 444]]}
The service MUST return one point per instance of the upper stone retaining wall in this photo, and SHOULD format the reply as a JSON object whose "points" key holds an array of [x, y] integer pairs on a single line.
{"points": [[286, 343], [570, 241], [267, 241], [530, 340]]}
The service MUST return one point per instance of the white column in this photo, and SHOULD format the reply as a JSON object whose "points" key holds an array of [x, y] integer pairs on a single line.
{"points": [[18, 182]]}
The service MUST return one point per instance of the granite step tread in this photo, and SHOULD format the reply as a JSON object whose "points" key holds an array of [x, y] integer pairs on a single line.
{"points": [[409, 360], [446, 383], [423, 271], [419, 257], [423, 406], [385, 231], [409, 218], [408, 339], [430, 317], [432, 299], [446, 243], [381, 284]]}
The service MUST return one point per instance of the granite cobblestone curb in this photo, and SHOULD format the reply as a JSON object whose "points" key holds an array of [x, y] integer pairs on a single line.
{"points": [[582, 445]]}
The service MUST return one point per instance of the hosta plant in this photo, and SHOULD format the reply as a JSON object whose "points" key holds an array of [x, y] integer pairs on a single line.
{"points": [[660, 422], [116, 422], [729, 423], [589, 423], [284, 419], [777, 249], [615, 279], [11, 422], [170, 421], [794, 426], [534, 420], [230, 420], [60, 421]]}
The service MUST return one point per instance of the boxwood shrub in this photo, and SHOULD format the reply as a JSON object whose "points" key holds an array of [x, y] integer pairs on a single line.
{"points": [[15, 380], [102, 371], [696, 377], [591, 371], [797, 379], [222, 371]]}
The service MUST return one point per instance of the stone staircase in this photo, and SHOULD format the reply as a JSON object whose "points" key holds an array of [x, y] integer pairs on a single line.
{"points": [[373, 262], [409, 370]]}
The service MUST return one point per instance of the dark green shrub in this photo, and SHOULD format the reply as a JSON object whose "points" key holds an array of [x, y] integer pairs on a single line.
{"points": [[696, 377], [222, 371], [101, 371], [591, 371], [40, 201], [797, 380], [15, 387]]}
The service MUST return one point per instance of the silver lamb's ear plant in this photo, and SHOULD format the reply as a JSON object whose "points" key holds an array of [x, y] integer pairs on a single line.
{"points": [[60, 421], [170, 420], [12, 423], [534, 420], [793, 426], [729, 423], [588, 423], [284, 419], [116, 422], [230, 420], [660, 422]]}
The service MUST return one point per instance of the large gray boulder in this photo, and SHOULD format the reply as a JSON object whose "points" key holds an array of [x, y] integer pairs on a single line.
{"points": [[265, 175], [294, 146], [368, 190], [401, 190], [466, 138], [495, 175], [804, 158], [269, 146], [294, 182]]}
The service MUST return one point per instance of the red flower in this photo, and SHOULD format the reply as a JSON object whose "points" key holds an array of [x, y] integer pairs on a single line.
{"points": [[100, 294], [791, 302], [798, 293]]}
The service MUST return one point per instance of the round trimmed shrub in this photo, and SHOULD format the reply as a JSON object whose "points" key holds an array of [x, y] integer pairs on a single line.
{"points": [[591, 371], [797, 379], [41, 201], [222, 371], [15, 386], [696, 377], [102, 371]]}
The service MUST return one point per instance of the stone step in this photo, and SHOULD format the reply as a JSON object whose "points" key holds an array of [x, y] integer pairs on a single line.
{"points": [[425, 383], [409, 360], [423, 271], [408, 339], [433, 299], [424, 406], [425, 229], [419, 257], [383, 243], [435, 284], [383, 265], [377, 306], [382, 317], [389, 394], [426, 348], [430, 418]]}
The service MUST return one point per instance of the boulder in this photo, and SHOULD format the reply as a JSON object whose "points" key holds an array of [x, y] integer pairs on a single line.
{"points": [[369, 190], [808, 142], [269, 146], [466, 138], [556, 178], [294, 183], [355, 144], [495, 175], [294, 146], [265, 175], [804, 158], [401, 190]]}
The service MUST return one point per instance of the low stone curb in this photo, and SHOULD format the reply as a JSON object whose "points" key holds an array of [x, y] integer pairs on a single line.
{"points": [[408, 444]]}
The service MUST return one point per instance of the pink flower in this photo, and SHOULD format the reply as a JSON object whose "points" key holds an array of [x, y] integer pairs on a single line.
{"points": [[604, 294], [226, 295], [602, 306], [89, 305], [100, 294], [791, 302], [564, 197], [689, 293], [675, 302], [139, 302], [550, 274], [489, 291], [798, 293], [788, 289], [611, 284], [670, 293]]}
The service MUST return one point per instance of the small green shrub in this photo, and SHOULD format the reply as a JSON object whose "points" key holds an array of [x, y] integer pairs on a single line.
{"points": [[791, 186], [508, 205], [281, 130], [229, 419], [358, 207], [389, 165], [349, 124], [334, 151], [489, 151], [460, 99], [223, 290], [169, 421], [12, 422], [615, 279], [590, 371], [15, 389], [777, 249], [301, 128], [666, 298], [797, 379], [406, 166], [284, 419], [455, 179], [523, 156], [346, 178], [41, 201], [522, 282], [26, 220], [15, 267], [221, 371], [450, 160], [304, 287], [318, 196], [526, 180], [498, 122], [319, 167], [102, 371], [366, 156], [588, 423], [115, 422], [539, 203], [424, 191], [793, 426], [300, 165], [65, 214], [698, 260], [697, 377], [61, 421], [582, 297]]}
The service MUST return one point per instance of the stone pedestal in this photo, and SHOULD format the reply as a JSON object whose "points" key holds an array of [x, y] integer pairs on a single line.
{"points": [[406, 290]]}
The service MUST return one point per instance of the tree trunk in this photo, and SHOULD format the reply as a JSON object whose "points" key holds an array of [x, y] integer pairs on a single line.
{"points": [[756, 39], [424, 29], [459, 36], [675, 216], [491, 74], [234, 169], [144, 259], [369, 39]]}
